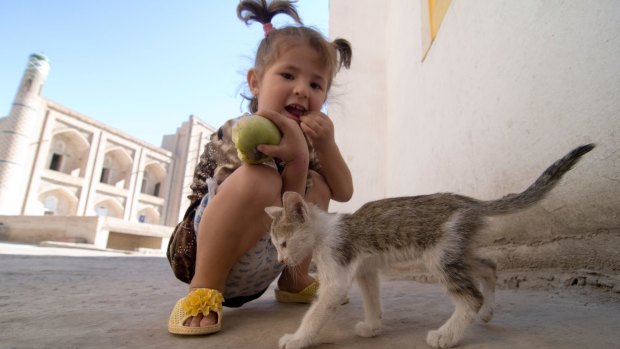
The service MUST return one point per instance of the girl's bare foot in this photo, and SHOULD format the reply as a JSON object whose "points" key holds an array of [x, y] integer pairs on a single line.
{"points": [[292, 281], [201, 321]]}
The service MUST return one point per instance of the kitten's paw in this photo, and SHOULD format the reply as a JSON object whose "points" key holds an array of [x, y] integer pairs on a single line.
{"points": [[485, 314], [440, 339], [365, 330], [289, 341]]}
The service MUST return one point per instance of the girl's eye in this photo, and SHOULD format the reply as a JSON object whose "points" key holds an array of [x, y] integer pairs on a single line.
{"points": [[316, 86], [287, 76]]}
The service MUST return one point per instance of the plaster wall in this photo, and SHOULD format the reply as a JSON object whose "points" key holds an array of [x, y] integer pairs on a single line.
{"points": [[506, 88], [102, 232], [34, 229], [358, 99]]}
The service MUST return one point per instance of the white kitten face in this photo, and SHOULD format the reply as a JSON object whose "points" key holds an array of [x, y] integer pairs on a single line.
{"points": [[286, 240], [285, 244], [287, 230]]}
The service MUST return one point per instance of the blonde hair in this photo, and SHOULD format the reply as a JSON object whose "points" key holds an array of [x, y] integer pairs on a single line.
{"points": [[335, 54]]}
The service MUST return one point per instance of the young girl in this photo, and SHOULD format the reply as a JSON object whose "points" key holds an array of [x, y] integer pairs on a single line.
{"points": [[235, 261]]}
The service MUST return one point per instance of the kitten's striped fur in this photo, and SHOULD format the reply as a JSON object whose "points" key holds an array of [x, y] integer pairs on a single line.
{"points": [[436, 228]]}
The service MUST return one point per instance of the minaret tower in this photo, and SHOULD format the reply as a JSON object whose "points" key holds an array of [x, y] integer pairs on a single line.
{"points": [[18, 136]]}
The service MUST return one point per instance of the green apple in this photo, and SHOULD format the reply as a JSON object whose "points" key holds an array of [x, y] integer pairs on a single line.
{"points": [[251, 131]]}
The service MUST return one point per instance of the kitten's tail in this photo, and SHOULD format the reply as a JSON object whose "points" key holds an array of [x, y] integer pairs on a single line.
{"points": [[539, 189]]}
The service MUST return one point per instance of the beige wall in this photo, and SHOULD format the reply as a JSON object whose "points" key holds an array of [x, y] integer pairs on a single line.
{"points": [[506, 88], [102, 232], [358, 99]]}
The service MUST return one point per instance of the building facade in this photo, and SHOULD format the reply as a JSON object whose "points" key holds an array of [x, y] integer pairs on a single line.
{"points": [[56, 161]]}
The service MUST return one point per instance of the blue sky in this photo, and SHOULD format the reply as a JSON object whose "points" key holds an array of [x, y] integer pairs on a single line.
{"points": [[141, 66]]}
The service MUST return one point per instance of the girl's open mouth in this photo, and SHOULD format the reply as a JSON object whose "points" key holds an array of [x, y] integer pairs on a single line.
{"points": [[296, 112]]}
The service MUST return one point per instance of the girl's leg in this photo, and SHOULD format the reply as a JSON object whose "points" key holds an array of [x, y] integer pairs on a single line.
{"points": [[297, 278], [231, 224]]}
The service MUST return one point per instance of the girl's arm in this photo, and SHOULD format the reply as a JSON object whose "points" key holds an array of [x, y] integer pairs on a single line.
{"points": [[336, 172], [320, 129]]}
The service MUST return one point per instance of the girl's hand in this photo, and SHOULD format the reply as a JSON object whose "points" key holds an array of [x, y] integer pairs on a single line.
{"points": [[293, 147], [319, 128]]}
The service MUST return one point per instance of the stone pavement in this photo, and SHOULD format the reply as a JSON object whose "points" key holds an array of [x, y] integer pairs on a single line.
{"points": [[57, 298]]}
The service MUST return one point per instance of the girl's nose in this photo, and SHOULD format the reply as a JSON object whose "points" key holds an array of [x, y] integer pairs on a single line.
{"points": [[301, 91]]}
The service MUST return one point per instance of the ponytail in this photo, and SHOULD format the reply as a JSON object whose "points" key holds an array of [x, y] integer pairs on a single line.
{"points": [[262, 12], [345, 53]]}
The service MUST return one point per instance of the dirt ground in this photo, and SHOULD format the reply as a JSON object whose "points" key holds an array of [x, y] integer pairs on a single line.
{"points": [[67, 298]]}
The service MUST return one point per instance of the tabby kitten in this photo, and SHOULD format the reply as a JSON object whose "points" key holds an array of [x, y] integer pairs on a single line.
{"points": [[435, 228]]}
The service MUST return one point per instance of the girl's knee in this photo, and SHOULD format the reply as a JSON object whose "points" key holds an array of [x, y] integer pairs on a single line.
{"points": [[257, 181]]}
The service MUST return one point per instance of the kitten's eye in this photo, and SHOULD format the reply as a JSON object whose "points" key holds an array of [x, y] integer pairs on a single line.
{"points": [[283, 244]]}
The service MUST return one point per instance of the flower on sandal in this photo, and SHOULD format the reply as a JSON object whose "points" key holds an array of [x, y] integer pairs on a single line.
{"points": [[202, 301]]}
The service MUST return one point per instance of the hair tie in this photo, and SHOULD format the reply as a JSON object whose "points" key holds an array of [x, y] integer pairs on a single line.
{"points": [[268, 28]]}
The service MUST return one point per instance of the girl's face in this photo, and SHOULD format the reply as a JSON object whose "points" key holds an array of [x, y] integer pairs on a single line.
{"points": [[295, 84]]}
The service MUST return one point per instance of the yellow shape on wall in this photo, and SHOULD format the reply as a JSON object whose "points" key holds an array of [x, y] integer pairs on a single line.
{"points": [[437, 10], [433, 12]]}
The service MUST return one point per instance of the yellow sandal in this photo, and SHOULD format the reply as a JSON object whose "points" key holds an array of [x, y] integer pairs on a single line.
{"points": [[198, 301], [307, 295]]}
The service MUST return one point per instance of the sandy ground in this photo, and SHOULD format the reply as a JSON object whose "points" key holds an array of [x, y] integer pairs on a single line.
{"points": [[68, 298]]}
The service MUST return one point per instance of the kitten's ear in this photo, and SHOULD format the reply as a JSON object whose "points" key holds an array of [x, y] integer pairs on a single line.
{"points": [[294, 206], [300, 212], [274, 211]]}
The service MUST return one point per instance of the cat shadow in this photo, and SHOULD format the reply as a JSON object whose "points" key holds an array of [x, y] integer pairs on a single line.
{"points": [[407, 318], [265, 316]]}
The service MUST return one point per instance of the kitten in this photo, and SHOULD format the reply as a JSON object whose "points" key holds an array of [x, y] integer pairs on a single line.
{"points": [[435, 228]]}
